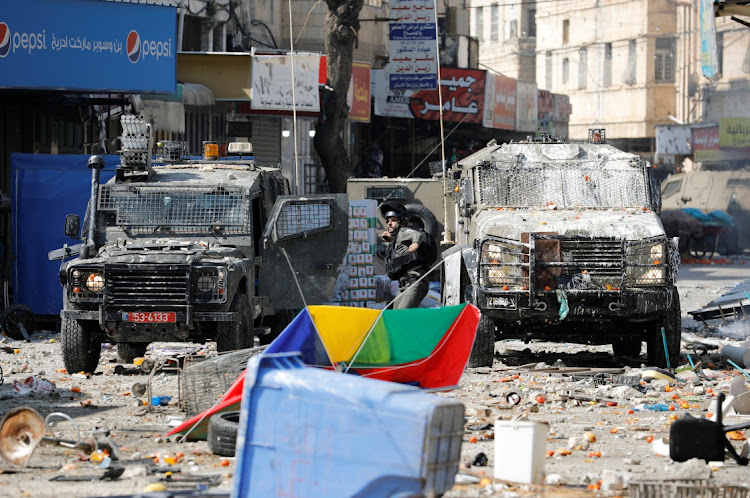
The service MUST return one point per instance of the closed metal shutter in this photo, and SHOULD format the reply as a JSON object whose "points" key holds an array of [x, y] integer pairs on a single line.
{"points": [[266, 140]]}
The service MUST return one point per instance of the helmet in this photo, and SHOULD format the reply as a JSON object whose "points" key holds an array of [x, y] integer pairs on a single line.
{"points": [[393, 209], [401, 215]]}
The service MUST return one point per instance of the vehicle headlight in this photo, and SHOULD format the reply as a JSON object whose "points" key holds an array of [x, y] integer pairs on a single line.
{"points": [[501, 265], [95, 282], [210, 285], [646, 264], [86, 283]]}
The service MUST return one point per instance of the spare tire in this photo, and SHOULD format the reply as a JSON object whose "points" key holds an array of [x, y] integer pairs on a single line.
{"points": [[222, 433], [428, 219]]}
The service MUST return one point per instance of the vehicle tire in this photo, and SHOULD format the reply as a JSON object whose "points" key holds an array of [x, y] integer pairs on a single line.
{"points": [[483, 352], [81, 347], [15, 316], [430, 223], [627, 347], [222, 433], [128, 351], [231, 336], [671, 321]]}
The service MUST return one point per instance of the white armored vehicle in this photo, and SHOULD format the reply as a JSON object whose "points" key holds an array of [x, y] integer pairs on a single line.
{"points": [[562, 241]]}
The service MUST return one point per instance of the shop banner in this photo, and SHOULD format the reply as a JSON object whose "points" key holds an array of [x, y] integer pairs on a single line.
{"points": [[527, 105], [674, 139], [734, 132], [499, 102], [359, 93], [413, 51], [358, 97], [705, 144], [462, 92], [272, 83], [88, 45], [709, 64]]}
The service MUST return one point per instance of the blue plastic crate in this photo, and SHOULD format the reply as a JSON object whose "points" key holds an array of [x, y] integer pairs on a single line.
{"points": [[312, 432]]}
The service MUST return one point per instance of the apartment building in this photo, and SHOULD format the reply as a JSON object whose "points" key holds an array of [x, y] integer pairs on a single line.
{"points": [[506, 32]]}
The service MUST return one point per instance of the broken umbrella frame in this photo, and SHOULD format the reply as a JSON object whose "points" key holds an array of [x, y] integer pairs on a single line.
{"points": [[691, 437]]}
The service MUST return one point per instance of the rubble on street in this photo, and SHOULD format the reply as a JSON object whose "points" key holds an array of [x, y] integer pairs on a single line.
{"points": [[546, 418]]}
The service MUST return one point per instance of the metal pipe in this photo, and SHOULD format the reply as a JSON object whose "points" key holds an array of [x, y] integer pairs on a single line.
{"points": [[96, 163]]}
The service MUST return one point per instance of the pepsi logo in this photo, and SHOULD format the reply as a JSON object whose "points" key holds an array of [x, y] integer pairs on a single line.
{"points": [[133, 46], [4, 39]]}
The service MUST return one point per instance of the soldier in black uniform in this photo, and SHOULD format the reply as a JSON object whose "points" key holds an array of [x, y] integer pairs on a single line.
{"points": [[403, 261]]}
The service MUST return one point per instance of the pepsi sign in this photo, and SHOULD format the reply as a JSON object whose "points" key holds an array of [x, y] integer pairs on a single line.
{"points": [[88, 45]]}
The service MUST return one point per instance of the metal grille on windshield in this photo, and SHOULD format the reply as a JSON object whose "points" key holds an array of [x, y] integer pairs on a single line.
{"points": [[193, 209]]}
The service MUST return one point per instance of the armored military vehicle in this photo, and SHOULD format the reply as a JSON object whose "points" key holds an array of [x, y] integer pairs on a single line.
{"points": [[192, 250], [561, 241], [709, 191]]}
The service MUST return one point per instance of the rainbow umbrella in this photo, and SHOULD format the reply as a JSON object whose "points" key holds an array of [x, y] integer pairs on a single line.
{"points": [[426, 347]]}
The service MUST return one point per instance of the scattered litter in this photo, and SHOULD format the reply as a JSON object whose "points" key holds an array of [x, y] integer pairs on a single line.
{"points": [[660, 447], [33, 384]]}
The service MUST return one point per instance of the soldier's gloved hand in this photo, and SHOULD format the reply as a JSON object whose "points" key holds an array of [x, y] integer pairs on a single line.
{"points": [[386, 236]]}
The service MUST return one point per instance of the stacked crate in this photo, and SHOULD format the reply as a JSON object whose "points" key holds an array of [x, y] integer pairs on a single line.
{"points": [[359, 268]]}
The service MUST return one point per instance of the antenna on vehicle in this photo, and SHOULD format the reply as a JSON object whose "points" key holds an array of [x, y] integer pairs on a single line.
{"points": [[445, 240]]}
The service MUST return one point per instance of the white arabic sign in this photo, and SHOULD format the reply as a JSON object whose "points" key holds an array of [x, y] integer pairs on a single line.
{"points": [[413, 63], [272, 83]]}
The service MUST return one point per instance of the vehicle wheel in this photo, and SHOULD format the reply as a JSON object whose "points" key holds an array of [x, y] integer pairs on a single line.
{"points": [[428, 219], [80, 345], [483, 352], [672, 324], [699, 247], [231, 336], [16, 316], [128, 351], [222, 433], [627, 347]]}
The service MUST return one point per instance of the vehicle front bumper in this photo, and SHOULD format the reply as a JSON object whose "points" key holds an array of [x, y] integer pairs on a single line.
{"points": [[637, 304]]}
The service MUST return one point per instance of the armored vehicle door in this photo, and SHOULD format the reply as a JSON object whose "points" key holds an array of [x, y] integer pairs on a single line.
{"points": [[304, 245]]}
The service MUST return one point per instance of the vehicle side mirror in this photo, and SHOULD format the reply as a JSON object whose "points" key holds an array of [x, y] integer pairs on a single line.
{"points": [[72, 225]]}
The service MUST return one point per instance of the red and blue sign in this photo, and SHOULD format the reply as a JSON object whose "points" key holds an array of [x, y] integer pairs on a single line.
{"points": [[88, 45]]}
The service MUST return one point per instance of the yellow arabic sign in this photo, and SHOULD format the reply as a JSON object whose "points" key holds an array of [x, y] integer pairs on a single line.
{"points": [[734, 132]]}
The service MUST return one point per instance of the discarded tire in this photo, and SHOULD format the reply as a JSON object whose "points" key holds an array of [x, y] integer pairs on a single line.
{"points": [[222, 433], [16, 316]]}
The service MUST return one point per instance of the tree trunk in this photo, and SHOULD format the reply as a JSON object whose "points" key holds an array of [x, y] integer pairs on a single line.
{"points": [[342, 26]]}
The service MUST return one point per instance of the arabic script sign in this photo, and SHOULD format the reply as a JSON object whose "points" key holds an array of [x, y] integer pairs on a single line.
{"points": [[413, 63], [705, 144], [462, 93], [272, 83], [84, 45], [734, 132], [359, 92]]}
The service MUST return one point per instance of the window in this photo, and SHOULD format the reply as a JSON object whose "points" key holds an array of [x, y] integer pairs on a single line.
{"points": [[566, 31], [565, 71], [629, 76], [720, 53], [671, 188], [479, 24], [494, 22], [583, 68], [548, 70], [512, 29], [607, 65], [664, 60], [531, 23]]}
